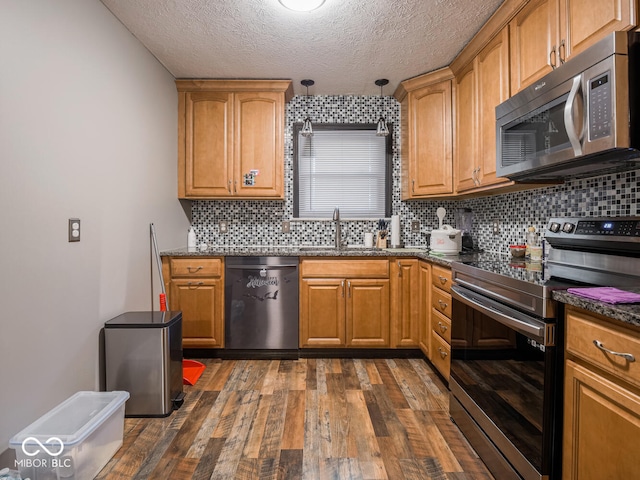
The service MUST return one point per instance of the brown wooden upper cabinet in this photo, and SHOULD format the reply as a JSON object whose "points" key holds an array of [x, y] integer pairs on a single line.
{"points": [[480, 86], [546, 33], [231, 138], [427, 141]]}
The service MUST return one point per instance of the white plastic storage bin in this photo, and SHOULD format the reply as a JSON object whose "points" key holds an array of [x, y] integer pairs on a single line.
{"points": [[75, 440]]}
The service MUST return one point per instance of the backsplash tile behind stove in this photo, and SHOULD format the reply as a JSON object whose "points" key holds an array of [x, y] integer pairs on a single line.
{"points": [[260, 222]]}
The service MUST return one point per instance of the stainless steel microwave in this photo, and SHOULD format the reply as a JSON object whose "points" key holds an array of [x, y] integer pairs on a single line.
{"points": [[580, 120]]}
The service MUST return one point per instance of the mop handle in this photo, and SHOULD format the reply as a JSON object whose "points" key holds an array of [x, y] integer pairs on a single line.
{"points": [[163, 296]]}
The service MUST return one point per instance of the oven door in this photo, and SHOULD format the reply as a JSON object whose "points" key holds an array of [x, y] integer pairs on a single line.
{"points": [[504, 385]]}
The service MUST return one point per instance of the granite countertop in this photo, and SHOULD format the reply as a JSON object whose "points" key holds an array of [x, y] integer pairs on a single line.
{"points": [[628, 313], [421, 253]]}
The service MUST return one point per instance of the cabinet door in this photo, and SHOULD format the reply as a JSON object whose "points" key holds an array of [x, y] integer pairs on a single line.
{"points": [[201, 302], [322, 312], [207, 144], [368, 312], [259, 145], [405, 303], [430, 140], [424, 313], [534, 39], [584, 22], [492, 74], [601, 427], [466, 122]]}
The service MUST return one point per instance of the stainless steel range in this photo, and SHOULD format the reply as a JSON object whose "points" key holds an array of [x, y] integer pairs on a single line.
{"points": [[507, 340]]}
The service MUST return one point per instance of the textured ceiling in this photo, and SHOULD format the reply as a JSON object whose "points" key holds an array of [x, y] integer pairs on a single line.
{"points": [[344, 46]]}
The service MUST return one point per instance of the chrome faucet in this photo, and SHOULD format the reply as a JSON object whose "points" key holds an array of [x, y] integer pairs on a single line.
{"points": [[336, 218]]}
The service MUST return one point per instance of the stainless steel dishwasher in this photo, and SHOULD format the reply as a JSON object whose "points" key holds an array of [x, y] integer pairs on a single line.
{"points": [[261, 303]]}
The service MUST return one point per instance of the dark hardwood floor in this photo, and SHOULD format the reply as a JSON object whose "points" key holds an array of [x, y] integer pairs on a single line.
{"points": [[303, 419]]}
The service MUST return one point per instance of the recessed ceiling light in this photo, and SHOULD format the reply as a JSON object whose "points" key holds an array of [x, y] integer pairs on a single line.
{"points": [[302, 5]]}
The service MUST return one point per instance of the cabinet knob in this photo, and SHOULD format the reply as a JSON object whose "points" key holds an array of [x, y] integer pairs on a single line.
{"points": [[194, 285], [552, 57], [443, 354], [342, 287], [443, 327], [442, 279], [413, 186], [194, 269], [442, 304]]}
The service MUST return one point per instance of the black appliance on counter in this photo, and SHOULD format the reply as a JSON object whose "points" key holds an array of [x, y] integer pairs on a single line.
{"points": [[507, 341]]}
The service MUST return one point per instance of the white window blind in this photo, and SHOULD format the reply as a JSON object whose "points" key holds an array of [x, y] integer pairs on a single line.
{"points": [[341, 168]]}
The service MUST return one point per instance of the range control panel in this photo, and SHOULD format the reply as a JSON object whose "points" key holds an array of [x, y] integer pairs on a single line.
{"points": [[603, 233]]}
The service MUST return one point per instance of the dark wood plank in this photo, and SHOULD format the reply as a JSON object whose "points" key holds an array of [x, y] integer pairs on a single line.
{"points": [[388, 380], [290, 464], [208, 461], [349, 375], [312, 376], [377, 420]]}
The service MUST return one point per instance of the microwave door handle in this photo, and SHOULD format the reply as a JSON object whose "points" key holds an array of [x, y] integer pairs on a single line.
{"points": [[569, 124]]}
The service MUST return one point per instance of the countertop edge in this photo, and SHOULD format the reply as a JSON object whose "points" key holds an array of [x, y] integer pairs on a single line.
{"points": [[443, 260], [624, 313]]}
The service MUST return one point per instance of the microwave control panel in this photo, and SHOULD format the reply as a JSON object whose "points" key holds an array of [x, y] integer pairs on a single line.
{"points": [[600, 108]]}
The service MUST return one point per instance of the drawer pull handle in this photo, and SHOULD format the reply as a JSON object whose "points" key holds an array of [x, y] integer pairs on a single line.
{"points": [[194, 269], [627, 356], [443, 280], [443, 354], [442, 304], [195, 284], [443, 327]]}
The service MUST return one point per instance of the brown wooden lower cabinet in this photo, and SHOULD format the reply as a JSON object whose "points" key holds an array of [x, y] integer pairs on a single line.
{"points": [[195, 285], [344, 303], [601, 399]]}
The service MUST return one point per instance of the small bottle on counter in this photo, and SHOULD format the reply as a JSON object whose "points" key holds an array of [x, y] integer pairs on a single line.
{"points": [[532, 240], [191, 240]]}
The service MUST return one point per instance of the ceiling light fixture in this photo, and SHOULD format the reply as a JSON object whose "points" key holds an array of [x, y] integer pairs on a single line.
{"points": [[307, 129], [382, 130], [302, 5]]}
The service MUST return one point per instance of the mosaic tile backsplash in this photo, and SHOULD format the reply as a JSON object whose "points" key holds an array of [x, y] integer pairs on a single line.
{"points": [[260, 222]]}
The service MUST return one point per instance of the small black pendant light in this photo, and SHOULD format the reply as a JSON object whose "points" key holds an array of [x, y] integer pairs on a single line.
{"points": [[307, 129], [382, 129]]}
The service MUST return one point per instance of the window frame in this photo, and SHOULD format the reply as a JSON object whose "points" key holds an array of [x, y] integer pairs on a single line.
{"points": [[388, 159]]}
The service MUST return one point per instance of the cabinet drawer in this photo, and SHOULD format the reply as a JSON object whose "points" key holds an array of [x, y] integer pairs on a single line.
{"points": [[333, 268], [583, 329], [441, 325], [196, 267], [440, 354], [441, 277], [441, 301]]}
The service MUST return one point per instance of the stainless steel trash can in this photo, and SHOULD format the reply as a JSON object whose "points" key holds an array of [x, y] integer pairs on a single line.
{"points": [[143, 356]]}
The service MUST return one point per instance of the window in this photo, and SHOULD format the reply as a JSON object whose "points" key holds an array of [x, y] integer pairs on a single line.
{"points": [[346, 166]]}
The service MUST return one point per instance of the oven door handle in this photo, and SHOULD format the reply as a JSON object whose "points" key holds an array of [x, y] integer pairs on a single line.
{"points": [[463, 295]]}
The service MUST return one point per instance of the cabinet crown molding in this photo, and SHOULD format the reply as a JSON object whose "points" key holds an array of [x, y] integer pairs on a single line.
{"points": [[236, 85]]}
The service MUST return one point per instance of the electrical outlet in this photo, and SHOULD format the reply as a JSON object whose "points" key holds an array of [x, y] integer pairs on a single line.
{"points": [[74, 229], [224, 227], [286, 226], [496, 226], [415, 226]]}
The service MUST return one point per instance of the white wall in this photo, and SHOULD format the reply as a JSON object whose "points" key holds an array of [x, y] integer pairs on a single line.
{"points": [[88, 127]]}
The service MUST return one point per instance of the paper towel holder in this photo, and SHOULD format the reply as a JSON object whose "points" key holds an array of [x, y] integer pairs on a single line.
{"points": [[396, 242]]}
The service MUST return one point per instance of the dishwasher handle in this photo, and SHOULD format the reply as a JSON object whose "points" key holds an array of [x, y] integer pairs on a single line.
{"points": [[261, 266]]}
